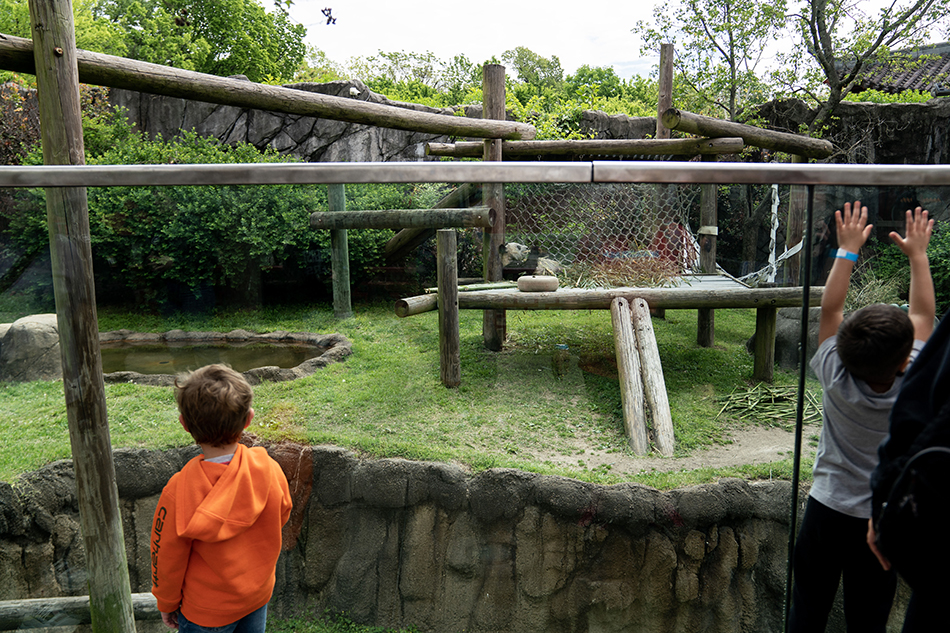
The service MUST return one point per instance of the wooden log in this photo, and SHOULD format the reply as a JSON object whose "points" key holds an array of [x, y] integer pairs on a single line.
{"points": [[594, 147], [57, 79], [631, 385], [579, 299], [664, 90], [767, 139], [763, 368], [416, 305], [339, 256], [450, 359], [41, 613], [708, 230], [654, 386], [402, 218], [494, 322], [403, 242], [119, 72]]}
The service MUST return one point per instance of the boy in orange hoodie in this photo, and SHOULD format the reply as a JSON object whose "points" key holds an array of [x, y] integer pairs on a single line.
{"points": [[216, 531]]}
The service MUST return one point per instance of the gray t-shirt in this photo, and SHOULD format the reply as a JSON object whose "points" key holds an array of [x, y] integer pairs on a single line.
{"points": [[855, 422]]}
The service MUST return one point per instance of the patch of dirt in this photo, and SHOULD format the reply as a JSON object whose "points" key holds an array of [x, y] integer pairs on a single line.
{"points": [[749, 444]]}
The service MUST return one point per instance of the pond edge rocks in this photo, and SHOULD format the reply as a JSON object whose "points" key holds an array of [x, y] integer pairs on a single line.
{"points": [[29, 350]]}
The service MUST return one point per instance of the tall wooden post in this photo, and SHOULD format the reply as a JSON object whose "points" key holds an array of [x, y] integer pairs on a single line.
{"points": [[708, 230], [494, 325], [450, 360], [662, 205], [339, 256], [794, 229], [57, 78]]}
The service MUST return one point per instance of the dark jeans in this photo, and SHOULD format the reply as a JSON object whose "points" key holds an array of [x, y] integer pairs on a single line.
{"points": [[926, 612], [254, 622], [832, 547]]}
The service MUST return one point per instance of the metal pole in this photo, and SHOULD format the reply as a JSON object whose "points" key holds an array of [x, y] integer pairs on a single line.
{"points": [[800, 411]]}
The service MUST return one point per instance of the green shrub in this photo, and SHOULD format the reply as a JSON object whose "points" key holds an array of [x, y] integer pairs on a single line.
{"points": [[939, 253], [154, 242]]}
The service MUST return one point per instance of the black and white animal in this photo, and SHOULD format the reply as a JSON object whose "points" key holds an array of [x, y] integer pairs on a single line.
{"points": [[521, 260]]}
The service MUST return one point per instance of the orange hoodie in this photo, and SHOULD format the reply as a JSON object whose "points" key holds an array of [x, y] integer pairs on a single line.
{"points": [[216, 537]]}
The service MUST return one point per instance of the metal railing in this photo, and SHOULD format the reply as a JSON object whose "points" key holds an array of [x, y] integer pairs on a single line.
{"points": [[462, 172]]}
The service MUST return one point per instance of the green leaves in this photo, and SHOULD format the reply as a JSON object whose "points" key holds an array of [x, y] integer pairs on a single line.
{"points": [[719, 46]]}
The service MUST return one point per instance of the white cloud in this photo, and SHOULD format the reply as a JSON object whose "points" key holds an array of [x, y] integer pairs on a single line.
{"points": [[596, 33]]}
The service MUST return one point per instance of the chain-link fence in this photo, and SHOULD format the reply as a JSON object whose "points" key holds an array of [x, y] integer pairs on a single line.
{"points": [[626, 229]]}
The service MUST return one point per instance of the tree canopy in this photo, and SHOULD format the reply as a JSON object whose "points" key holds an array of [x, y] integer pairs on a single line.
{"points": [[719, 47], [840, 38], [219, 37]]}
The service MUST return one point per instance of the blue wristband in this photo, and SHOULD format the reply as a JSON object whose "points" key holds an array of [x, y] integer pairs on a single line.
{"points": [[843, 254]]}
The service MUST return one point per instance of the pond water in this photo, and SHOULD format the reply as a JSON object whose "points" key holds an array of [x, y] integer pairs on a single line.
{"points": [[172, 358]]}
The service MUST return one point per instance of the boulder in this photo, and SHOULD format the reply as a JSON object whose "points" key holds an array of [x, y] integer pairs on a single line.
{"points": [[29, 350]]}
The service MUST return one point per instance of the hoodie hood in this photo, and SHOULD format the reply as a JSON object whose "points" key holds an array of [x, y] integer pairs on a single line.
{"points": [[225, 499]]}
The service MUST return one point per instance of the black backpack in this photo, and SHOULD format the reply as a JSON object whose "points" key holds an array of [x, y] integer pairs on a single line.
{"points": [[913, 527]]}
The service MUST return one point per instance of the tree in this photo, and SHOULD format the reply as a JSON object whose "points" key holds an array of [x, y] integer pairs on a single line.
{"points": [[719, 46], [533, 70], [589, 82], [842, 39], [93, 32], [219, 37], [318, 68]]}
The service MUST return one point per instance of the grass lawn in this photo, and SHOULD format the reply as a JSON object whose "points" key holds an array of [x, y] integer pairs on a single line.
{"points": [[511, 410]]}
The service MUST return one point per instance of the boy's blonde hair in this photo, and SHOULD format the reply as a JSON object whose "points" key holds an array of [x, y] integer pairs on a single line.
{"points": [[214, 403]]}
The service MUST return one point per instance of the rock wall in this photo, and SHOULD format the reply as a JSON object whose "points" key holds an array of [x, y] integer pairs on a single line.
{"points": [[397, 543], [321, 140], [872, 133]]}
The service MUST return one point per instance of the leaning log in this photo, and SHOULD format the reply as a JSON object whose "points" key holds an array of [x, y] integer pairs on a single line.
{"points": [[16, 54], [594, 147], [402, 219], [580, 299], [403, 242], [767, 139], [631, 386], [43, 613], [654, 386]]}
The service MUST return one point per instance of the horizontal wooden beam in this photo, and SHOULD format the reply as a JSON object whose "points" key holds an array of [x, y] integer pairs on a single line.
{"points": [[16, 54], [690, 123], [595, 147], [580, 299], [403, 219], [37, 613]]}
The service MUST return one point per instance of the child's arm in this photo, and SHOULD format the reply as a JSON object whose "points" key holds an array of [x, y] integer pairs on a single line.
{"points": [[922, 307], [853, 230]]}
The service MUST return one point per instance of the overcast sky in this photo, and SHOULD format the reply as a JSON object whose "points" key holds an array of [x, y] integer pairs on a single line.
{"points": [[595, 32]]}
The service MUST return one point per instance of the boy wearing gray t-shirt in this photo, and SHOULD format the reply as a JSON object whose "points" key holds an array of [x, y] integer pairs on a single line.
{"points": [[860, 363]]}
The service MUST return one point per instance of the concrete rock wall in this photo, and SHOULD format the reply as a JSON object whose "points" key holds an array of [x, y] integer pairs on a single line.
{"points": [[398, 543], [321, 140]]}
